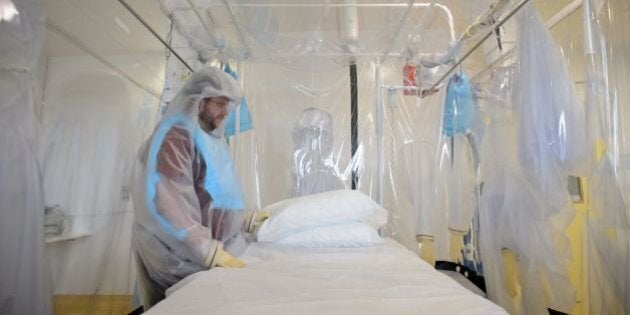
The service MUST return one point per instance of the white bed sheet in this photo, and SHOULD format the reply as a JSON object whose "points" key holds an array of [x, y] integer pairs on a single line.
{"points": [[385, 279]]}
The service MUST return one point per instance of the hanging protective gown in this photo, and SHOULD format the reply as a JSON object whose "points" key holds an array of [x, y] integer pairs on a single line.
{"points": [[313, 164]]}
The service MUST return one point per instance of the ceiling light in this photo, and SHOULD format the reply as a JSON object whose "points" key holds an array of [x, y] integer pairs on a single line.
{"points": [[7, 11]]}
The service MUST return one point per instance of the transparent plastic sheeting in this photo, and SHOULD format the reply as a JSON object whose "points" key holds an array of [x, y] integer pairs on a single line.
{"points": [[291, 34], [24, 278], [313, 165], [295, 77], [531, 145], [417, 174], [457, 165], [92, 124], [608, 101], [440, 164], [301, 141], [508, 218], [301, 145], [551, 120]]}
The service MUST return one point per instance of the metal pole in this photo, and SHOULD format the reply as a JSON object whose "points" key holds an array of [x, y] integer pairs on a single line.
{"points": [[479, 43], [564, 13], [551, 23], [379, 134], [354, 126], [141, 20]]}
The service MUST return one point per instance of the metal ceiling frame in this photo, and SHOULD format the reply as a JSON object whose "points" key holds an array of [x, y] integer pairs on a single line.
{"points": [[143, 22], [447, 13]]}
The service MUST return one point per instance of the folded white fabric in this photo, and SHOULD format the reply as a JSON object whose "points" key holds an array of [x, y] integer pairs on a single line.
{"points": [[342, 235], [337, 213]]}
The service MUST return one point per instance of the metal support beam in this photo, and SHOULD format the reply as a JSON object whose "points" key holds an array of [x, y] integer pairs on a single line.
{"points": [[479, 43], [143, 22], [551, 23]]}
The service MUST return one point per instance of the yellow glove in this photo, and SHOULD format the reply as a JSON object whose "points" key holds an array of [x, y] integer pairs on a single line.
{"points": [[225, 259], [221, 258], [256, 220]]}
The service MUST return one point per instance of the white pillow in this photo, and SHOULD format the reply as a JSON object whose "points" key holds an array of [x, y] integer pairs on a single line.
{"points": [[335, 207], [342, 235]]}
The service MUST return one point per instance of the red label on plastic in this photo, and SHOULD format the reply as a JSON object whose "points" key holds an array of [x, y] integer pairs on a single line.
{"points": [[409, 79]]}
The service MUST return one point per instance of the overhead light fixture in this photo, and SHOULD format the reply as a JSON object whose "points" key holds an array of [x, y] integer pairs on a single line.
{"points": [[8, 12]]}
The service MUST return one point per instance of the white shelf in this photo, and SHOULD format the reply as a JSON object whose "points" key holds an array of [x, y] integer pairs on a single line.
{"points": [[66, 237]]}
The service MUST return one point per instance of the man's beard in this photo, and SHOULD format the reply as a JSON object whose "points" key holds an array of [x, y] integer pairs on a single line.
{"points": [[207, 123]]}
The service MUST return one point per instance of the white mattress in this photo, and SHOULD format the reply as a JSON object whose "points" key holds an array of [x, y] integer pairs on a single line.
{"points": [[385, 279]]}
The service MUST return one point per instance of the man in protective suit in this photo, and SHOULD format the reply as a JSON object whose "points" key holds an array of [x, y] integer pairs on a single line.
{"points": [[189, 208]]}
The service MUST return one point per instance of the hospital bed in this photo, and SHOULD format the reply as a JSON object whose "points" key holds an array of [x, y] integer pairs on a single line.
{"points": [[381, 279]]}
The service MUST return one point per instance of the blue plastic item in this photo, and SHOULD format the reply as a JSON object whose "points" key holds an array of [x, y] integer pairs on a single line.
{"points": [[245, 120], [458, 109]]}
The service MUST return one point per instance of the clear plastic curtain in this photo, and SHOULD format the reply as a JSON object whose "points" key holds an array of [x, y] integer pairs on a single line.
{"points": [[24, 279], [419, 156], [282, 141], [533, 142], [274, 158], [288, 66], [86, 149], [313, 165], [608, 101], [509, 221], [96, 110], [93, 121]]}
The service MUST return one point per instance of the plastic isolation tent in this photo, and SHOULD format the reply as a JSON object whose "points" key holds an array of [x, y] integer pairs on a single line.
{"points": [[494, 133]]}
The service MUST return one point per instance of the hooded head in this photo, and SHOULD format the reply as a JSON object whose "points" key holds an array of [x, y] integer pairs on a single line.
{"points": [[207, 97]]}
